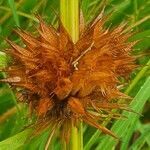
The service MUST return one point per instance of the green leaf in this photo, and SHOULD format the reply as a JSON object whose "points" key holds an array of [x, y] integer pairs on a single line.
{"points": [[3, 59], [142, 128], [123, 128], [15, 15], [15, 141], [137, 78], [137, 145]]}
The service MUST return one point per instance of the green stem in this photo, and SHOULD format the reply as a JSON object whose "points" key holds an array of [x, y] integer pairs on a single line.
{"points": [[135, 4], [81, 136], [13, 9], [69, 13]]}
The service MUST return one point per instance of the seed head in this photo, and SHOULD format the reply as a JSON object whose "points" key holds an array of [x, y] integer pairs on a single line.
{"points": [[68, 82]]}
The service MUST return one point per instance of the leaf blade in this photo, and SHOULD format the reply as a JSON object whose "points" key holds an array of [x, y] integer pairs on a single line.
{"points": [[121, 127]]}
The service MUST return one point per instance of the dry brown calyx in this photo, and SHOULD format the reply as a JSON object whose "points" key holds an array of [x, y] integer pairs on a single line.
{"points": [[68, 82]]}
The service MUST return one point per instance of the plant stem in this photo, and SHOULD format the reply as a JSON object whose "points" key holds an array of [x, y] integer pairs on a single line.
{"points": [[69, 14], [81, 136]]}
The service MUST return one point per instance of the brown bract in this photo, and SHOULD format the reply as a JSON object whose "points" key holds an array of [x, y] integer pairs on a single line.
{"points": [[67, 82]]}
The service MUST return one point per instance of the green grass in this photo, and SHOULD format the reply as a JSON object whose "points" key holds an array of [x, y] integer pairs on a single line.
{"points": [[133, 131]]}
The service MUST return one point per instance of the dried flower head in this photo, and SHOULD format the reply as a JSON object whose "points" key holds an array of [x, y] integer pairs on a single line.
{"points": [[67, 82]]}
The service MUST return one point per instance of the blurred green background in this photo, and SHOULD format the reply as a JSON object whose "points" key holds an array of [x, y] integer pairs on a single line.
{"points": [[134, 131]]}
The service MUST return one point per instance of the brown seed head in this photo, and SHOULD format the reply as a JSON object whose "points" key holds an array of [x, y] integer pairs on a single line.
{"points": [[66, 82]]}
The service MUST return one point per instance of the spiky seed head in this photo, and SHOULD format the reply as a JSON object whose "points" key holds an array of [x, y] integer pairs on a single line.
{"points": [[67, 82]]}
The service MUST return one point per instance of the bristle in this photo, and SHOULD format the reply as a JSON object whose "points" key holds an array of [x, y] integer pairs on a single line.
{"points": [[30, 41], [100, 127], [67, 82], [11, 80]]}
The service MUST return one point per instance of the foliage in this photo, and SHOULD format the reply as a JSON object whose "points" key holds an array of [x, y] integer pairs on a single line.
{"points": [[13, 119]]}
